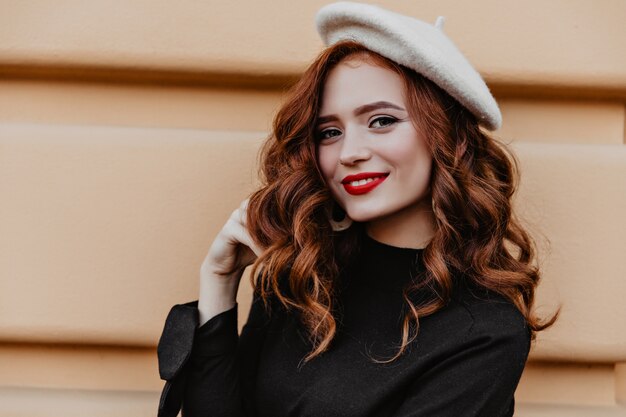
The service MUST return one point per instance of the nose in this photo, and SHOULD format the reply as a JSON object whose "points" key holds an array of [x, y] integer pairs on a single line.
{"points": [[353, 149]]}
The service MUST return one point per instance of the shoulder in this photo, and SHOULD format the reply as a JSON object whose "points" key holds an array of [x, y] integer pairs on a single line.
{"points": [[479, 321], [495, 320]]}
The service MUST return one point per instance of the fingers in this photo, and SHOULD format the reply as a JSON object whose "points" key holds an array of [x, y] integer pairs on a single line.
{"points": [[240, 230], [240, 234], [244, 205], [240, 214]]}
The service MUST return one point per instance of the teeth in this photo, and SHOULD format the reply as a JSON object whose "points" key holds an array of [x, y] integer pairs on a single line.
{"points": [[363, 181]]}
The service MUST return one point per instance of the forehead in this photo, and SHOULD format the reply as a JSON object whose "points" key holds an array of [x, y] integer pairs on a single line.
{"points": [[354, 82]]}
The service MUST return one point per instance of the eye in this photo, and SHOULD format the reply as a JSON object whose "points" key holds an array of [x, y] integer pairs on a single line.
{"points": [[382, 121], [328, 133]]}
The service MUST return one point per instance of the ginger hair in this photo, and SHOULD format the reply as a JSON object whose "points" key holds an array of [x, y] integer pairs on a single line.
{"points": [[478, 239]]}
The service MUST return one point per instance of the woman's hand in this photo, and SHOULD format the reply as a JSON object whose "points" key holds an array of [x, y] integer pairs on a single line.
{"points": [[231, 252]]}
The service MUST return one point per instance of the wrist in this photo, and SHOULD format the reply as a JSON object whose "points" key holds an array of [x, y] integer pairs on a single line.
{"points": [[217, 295]]}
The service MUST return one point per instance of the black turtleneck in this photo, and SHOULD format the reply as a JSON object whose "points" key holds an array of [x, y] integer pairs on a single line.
{"points": [[466, 360]]}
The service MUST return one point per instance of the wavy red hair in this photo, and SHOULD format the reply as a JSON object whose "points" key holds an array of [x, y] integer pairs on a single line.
{"points": [[477, 239]]}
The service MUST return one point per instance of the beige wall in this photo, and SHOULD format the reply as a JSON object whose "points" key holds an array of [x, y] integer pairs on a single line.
{"points": [[129, 131]]}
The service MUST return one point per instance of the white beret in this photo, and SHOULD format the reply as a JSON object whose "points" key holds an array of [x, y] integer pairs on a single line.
{"points": [[415, 44]]}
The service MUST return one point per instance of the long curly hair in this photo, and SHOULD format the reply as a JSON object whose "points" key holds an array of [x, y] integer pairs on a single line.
{"points": [[472, 183]]}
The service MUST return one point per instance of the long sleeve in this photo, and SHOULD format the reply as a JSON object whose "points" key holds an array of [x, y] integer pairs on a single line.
{"points": [[466, 360], [209, 369], [479, 378]]}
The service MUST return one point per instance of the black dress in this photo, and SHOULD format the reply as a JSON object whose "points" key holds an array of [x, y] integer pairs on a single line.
{"points": [[466, 361]]}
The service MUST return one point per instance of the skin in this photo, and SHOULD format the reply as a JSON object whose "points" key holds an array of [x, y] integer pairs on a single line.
{"points": [[365, 127], [352, 139], [230, 253]]}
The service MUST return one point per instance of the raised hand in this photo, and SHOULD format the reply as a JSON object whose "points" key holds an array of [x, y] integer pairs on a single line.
{"points": [[230, 253]]}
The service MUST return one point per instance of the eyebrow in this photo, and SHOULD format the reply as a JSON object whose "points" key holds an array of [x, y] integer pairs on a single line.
{"points": [[366, 108]]}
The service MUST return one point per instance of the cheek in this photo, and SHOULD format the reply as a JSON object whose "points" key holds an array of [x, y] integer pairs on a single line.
{"points": [[413, 160], [421, 166], [327, 161]]}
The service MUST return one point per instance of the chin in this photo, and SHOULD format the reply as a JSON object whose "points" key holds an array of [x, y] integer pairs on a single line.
{"points": [[366, 215]]}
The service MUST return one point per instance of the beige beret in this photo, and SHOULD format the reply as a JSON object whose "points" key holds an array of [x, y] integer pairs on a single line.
{"points": [[415, 44]]}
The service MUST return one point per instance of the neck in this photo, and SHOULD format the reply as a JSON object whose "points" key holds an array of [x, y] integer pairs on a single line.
{"points": [[412, 227]]}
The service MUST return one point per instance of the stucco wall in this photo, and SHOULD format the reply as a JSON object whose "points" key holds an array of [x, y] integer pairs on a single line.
{"points": [[129, 131]]}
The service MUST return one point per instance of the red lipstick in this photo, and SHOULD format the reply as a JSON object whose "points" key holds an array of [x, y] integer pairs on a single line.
{"points": [[357, 189]]}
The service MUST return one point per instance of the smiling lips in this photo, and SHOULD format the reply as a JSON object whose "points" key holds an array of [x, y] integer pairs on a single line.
{"points": [[364, 182]]}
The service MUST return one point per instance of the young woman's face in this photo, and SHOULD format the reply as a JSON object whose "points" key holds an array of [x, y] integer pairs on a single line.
{"points": [[369, 152]]}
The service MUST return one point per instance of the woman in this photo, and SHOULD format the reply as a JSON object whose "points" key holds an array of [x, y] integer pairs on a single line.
{"points": [[392, 278]]}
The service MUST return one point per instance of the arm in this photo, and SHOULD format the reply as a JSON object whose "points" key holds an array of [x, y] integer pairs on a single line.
{"points": [[479, 378], [198, 351], [210, 370], [223, 368]]}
